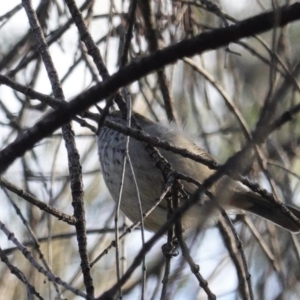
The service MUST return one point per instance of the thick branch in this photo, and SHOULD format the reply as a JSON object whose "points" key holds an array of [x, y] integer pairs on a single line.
{"points": [[199, 44]]}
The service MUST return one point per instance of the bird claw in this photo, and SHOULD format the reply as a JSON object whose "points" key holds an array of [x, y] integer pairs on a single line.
{"points": [[169, 249]]}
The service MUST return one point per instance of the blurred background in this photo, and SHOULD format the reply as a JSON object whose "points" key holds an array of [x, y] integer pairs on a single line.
{"points": [[207, 93]]}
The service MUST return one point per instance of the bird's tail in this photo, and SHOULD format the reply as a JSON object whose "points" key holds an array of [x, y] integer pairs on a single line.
{"points": [[254, 203]]}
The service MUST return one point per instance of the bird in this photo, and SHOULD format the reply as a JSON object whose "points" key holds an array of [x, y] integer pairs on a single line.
{"points": [[231, 194]]}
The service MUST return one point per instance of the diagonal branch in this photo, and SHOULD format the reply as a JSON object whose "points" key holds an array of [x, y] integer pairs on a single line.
{"points": [[199, 44]]}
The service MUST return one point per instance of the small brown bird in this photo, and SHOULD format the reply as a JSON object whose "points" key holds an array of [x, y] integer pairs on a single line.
{"points": [[231, 194]]}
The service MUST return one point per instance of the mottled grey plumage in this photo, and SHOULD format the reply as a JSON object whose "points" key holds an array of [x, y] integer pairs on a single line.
{"points": [[111, 148]]}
